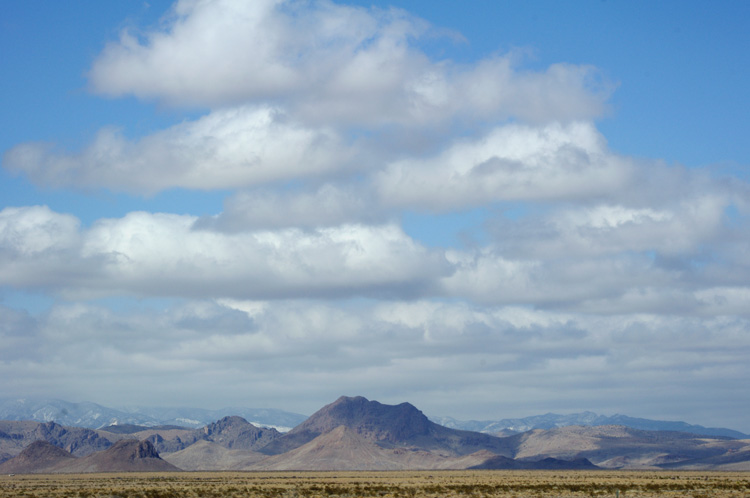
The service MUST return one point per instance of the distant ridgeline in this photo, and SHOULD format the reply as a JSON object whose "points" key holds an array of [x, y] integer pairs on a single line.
{"points": [[96, 416], [354, 433]]}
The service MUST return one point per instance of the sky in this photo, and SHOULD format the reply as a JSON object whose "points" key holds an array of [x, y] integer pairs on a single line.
{"points": [[491, 209]]}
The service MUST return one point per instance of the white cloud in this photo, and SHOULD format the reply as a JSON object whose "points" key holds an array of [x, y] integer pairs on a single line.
{"points": [[162, 255], [682, 228], [511, 163], [225, 149], [29, 231], [328, 205], [299, 91], [330, 62]]}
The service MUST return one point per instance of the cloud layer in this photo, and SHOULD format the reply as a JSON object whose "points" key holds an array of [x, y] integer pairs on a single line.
{"points": [[593, 274], [441, 356]]}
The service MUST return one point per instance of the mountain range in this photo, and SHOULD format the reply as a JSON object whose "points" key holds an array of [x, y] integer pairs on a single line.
{"points": [[590, 419], [354, 433], [95, 416]]}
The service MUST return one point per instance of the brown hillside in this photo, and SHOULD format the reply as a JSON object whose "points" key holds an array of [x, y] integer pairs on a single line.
{"points": [[207, 455], [344, 449]]}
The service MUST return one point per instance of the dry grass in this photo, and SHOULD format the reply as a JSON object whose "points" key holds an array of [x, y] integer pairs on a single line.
{"points": [[426, 484]]}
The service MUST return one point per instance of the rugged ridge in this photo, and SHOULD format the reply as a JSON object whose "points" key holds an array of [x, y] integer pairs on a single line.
{"points": [[230, 432], [16, 435], [389, 426]]}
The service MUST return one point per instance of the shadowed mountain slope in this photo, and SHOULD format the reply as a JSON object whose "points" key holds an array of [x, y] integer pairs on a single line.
{"points": [[505, 463]]}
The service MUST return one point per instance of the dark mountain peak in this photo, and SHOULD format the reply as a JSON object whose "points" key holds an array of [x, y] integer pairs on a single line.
{"points": [[126, 455], [371, 419], [44, 450], [132, 449], [78, 441], [50, 429], [39, 456], [225, 424], [237, 433]]}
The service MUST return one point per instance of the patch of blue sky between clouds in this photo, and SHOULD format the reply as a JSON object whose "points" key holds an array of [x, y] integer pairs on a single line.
{"points": [[457, 230]]}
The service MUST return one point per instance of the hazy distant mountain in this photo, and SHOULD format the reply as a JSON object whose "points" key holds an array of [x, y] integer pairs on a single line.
{"points": [[591, 419], [96, 416], [614, 446]]}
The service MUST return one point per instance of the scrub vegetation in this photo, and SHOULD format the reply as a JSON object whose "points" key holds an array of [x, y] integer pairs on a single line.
{"points": [[407, 484]]}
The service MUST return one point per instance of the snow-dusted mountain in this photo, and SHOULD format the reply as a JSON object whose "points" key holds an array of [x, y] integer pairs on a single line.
{"points": [[591, 419], [95, 416]]}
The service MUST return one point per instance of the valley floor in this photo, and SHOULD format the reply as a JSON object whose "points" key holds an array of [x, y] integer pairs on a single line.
{"points": [[406, 484]]}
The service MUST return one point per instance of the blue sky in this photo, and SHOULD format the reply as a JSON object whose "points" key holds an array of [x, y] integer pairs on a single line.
{"points": [[489, 210]]}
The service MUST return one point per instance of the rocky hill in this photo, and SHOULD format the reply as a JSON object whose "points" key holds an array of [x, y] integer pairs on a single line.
{"points": [[16, 435], [38, 457], [389, 426], [229, 432], [127, 455]]}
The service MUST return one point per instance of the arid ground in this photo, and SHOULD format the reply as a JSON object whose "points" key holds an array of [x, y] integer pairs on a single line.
{"points": [[428, 484]]}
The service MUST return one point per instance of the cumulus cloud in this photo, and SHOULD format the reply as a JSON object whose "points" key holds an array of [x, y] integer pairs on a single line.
{"points": [[162, 255], [229, 148], [330, 62], [296, 91], [511, 163]]}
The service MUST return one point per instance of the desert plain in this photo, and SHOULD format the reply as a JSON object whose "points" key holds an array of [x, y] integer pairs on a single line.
{"points": [[401, 484]]}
